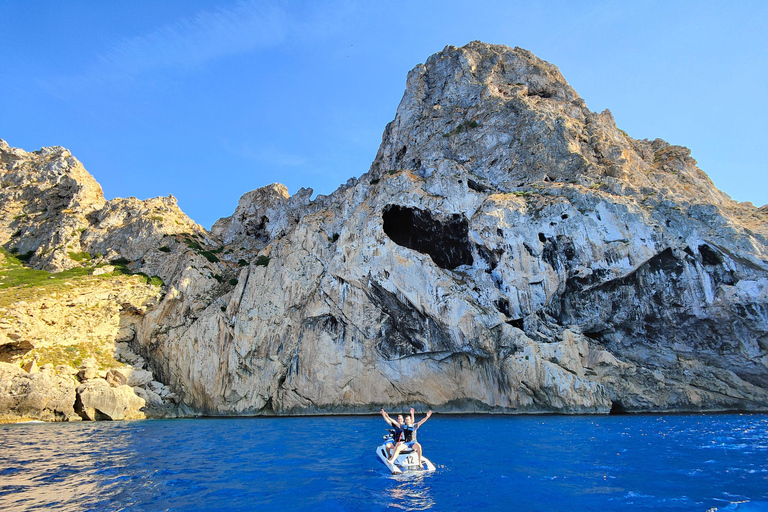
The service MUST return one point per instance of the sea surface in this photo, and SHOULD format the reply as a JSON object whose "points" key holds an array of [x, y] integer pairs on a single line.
{"points": [[510, 463]]}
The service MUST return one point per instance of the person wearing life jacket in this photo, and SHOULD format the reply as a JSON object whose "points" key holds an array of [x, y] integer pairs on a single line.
{"points": [[409, 436], [396, 435]]}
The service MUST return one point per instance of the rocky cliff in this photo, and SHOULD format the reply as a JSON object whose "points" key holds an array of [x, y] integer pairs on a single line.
{"points": [[69, 315], [508, 250]]}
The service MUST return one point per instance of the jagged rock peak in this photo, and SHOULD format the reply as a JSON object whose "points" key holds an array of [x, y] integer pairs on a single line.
{"points": [[488, 97], [249, 226], [502, 120], [51, 172], [479, 65], [53, 209], [36, 188]]}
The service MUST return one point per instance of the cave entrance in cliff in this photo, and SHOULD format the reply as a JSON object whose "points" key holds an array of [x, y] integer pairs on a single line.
{"points": [[617, 408], [445, 238]]}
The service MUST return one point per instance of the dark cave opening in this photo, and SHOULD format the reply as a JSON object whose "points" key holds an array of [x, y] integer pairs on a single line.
{"points": [[444, 238], [502, 305], [709, 255], [617, 408]]}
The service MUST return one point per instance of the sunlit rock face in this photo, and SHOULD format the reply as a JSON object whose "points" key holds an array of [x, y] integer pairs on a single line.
{"points": [[54, 211], [508, 250], [45, 198], [53, 215]]}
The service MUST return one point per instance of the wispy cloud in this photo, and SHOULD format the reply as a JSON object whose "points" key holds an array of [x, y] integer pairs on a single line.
{"points": [[208, 35], [195, 41]]}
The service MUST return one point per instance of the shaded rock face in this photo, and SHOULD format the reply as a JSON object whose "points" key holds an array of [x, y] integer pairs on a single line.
{"points": [[508, 250], [675, 308], [406, 331]]}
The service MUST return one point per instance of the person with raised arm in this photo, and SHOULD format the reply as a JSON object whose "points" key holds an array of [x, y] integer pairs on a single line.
{"points": [[409, 435], [397, 434]]}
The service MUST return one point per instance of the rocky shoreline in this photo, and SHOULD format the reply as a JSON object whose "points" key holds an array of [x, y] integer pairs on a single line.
{"points": [[65, 393]]}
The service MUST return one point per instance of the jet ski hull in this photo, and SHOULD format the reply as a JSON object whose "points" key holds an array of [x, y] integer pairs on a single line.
{"points": [[406, 462]]}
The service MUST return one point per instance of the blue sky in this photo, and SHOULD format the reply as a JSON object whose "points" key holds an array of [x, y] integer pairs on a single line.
{"points": [[208, 100]]}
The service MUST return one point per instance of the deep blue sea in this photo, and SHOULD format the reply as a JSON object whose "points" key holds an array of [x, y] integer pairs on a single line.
{"points": [[511, 463]]}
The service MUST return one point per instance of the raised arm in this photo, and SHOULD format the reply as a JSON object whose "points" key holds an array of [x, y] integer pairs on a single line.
{"points": [[387, 418], [413, 415], [424, 420]]}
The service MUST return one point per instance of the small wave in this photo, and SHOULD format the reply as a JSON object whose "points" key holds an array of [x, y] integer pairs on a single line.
{"points": [[633, 494], [743, 506], [10, 471], [740, 446]]}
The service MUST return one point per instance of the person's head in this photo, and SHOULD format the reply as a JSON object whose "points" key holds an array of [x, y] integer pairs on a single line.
{"points": [[400, 419], [408, 420]]}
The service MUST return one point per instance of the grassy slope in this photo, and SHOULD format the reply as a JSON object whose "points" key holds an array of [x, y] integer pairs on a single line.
{"points": [[21, 283]]}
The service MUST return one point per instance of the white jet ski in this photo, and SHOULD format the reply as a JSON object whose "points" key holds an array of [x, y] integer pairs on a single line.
{"points": [[407, 461]]}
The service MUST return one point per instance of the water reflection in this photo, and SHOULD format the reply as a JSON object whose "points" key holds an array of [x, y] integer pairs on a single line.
{"points": [[45, 466], [410, 492]]}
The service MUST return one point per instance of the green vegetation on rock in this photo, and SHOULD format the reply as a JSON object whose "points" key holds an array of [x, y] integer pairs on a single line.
{"points": [[463, 127], [73, 355], [20, 282], [13, 273], [79, 256]]}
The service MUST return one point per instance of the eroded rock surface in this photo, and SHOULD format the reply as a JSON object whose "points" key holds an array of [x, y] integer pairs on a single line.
{"points": [[508, 250], [41, 395], [53, 215], [54, 211], [97, 400]]}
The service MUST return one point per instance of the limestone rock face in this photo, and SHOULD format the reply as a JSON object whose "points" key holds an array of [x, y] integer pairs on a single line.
{"points": [[252, 215], [128, 376], [45, 198], [93, 311], [89, 317], [53, 215], [42, 395], [96, 400], [53, 209], [509, 250], [142, 232]]}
